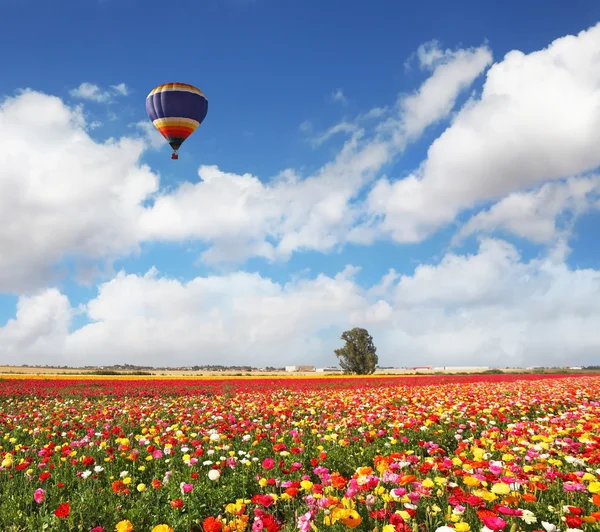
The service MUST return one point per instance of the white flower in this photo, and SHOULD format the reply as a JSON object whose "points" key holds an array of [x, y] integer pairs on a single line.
{"points": [[98, 469], [528, 516], [549, 527], [215, 437], [86, 474], [213, 474]]}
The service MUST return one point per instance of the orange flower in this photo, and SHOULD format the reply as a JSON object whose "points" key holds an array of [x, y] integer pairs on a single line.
{"points": [[124, 526], [162, 528], [407, 479], [210, 524], [529, 497], [118, 486], [338, 481], [511, 500], [352, 520]]}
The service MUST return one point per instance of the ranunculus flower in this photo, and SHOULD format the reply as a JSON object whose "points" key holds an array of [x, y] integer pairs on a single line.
{"points": [[124, 526], [210, 524], [39, 495], [494, 523], [268, 463], [63, 510]]}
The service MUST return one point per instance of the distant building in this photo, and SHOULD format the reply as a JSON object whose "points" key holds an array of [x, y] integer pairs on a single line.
{"points": [[328, 369], [295, 369], [461, 368]]}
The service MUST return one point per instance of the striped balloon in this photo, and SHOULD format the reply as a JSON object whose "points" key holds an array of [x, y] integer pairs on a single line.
{"points": [[176, 110]]}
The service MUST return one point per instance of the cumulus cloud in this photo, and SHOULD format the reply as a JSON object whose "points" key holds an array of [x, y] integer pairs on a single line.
{"points": [[242, 216], [534, 214], [66, 196], [152, 136], [92, 92], [491, 306], [536, 120], [63, 194]]}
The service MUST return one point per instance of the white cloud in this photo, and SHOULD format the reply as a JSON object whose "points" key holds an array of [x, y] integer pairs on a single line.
{"points": [[536, 121], [67, 196], [491, 306], [339, 96], [63, 194], [92, 92], [429, 55], [342, 127], [151, 134], [533, 214], [243, 216], [306, 126], [121, 89]]}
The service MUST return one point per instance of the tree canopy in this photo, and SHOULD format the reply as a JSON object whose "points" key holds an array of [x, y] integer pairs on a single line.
{"points": [[358, 354]]}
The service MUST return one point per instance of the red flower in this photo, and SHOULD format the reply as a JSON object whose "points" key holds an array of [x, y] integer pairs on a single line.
{"points": [[176, 503], [494, 523], [210, 524], [63, 510]]}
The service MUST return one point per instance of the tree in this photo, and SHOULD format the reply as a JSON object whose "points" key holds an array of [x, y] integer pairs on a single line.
{"points": [[358, 355]]}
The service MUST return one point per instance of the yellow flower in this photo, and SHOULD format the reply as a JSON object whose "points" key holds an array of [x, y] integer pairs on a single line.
{"points": [[428, 483], [162, 528], [306, 484], [471, 481], [141, 487], [462, 527], [501, 488], [594, 487], [124, 526]]}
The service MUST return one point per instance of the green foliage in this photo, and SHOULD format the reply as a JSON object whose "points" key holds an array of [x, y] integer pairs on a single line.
{"points": [[358, 355]]}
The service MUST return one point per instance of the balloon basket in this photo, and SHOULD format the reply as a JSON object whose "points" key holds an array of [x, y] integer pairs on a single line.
{"points": [[175, 156]]}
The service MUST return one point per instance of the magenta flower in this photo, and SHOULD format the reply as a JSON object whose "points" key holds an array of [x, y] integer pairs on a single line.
{"points": [[39, 495]]}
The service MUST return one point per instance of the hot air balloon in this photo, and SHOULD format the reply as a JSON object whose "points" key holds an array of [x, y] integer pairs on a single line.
{"points": [[176, 110]]}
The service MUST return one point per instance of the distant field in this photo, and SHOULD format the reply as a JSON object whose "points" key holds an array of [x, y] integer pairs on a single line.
{"points": [[21, 370]]}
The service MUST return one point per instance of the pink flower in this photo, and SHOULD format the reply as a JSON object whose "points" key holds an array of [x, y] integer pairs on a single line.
{"points": [[97, 529], [510, 511], [186, 488], [268, 463], [494, 523], [39, 495], [157, 454]]}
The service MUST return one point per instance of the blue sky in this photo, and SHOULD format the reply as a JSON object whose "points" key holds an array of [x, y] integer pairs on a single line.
{"points": [[235, 249]]}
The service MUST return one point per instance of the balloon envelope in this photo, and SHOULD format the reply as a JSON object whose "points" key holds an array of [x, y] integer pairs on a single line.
{"points": [[176, 110]]}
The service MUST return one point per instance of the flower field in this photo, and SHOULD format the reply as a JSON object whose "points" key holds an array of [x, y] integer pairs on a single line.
{"points": [[481, 453]]}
